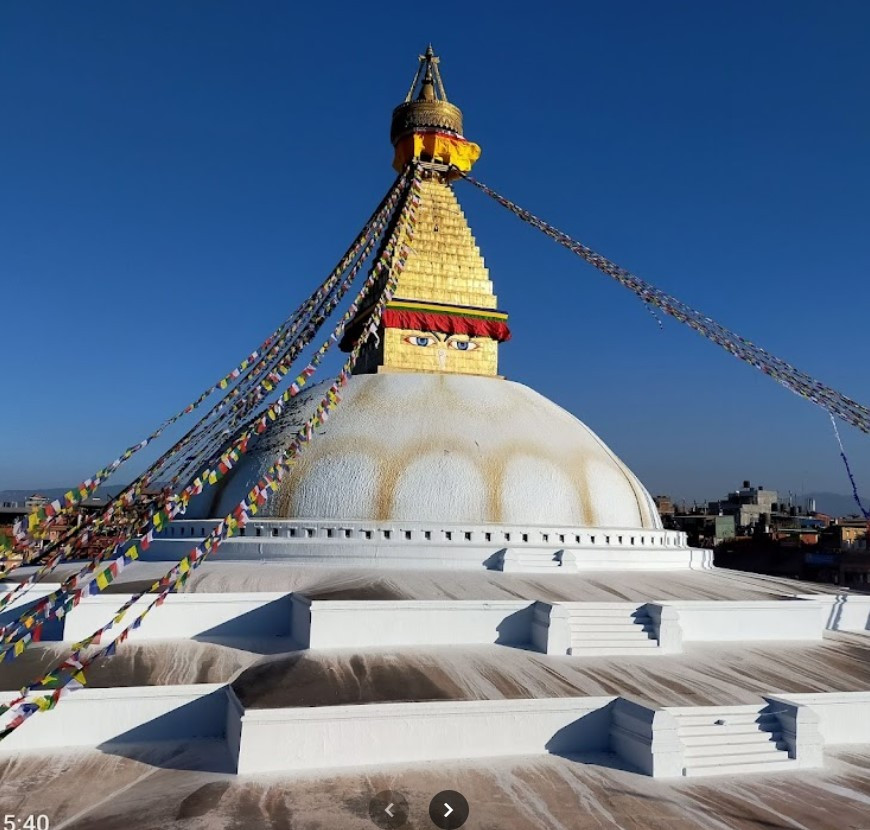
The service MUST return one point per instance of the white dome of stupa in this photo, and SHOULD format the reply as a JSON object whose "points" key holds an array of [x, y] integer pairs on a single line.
{"points": [[444, 448]]}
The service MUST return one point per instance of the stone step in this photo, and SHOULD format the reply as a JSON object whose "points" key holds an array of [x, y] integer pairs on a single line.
{"points": [[527, 563], [771, 747], [736, 766], [736, 709], [724, 738], [608, 635], [610, 621], [618, 649], [593, 611], [609, 626], [730, 718], [729, 727], [532, 566]]}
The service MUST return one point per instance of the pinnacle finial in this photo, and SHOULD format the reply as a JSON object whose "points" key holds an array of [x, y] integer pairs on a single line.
{"points": [[429, 78]]}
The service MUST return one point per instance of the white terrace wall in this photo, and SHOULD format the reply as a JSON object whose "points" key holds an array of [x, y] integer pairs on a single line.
{"points": [[786, 619], [90, 717], [366, 623], [186, 615], [26, 596], [844, 717], [845, 611], [273, 740]]}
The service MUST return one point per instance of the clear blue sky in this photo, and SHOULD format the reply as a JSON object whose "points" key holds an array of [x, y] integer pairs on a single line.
{"points": [[176, 175]]}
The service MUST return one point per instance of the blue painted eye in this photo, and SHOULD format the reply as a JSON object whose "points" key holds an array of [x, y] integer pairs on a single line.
{"points": [[463, 345], [418, 340]]}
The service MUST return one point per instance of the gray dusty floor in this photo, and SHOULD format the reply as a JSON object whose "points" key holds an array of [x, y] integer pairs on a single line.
{"points": [[165, 786], [319, 582], [266, 674], [705, 674]]}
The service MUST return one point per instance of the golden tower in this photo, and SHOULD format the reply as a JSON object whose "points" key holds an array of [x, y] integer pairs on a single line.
{"points": [[444, 315]]}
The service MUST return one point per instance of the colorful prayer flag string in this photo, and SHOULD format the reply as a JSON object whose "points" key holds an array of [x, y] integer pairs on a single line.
{"points": [[42, 518], [855, 494], [59, 602], [793, 379], [361, 249], [69, 675]]}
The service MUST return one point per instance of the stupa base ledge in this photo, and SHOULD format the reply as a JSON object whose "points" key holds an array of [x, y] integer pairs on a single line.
{"points": [[425, 546]]}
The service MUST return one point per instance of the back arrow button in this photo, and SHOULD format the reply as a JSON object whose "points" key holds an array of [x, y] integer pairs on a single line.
{"points": [[389, 810]]}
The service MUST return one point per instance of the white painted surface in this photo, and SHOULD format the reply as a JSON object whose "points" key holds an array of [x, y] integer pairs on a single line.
{"points": [[647, 738], [275, 740], [185, 615], [496, 449], [719, 620], [844, 717], [26, 596], [844, 612], [90, 717], [368, 623], [439, 545]]}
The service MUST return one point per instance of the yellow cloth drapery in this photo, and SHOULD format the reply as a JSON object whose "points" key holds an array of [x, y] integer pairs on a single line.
{"points": [[436, 146]]}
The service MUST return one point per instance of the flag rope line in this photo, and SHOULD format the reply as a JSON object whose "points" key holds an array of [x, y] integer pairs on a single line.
{"points": [[19, 636], [66, 544], [90, 485], [796, 381], [855, 494], [393, 258]]}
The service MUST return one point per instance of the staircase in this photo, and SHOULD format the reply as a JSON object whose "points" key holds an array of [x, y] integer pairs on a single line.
{"points": [[599, 629], [535, 560], [730, 740]]}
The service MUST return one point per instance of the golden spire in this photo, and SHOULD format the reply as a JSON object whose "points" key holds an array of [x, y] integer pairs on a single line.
{"points": [[444, 316]]}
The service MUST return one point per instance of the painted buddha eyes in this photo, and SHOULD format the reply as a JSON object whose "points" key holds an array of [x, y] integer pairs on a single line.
{"points": [[419, 341], [452, 341], [462, 345]]}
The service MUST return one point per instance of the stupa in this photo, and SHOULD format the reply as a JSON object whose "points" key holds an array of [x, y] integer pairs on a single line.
{"points": [[458, 587], [429, 431]]}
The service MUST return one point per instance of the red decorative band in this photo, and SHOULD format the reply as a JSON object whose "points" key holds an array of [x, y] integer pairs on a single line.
{"points": [[446, 324]]}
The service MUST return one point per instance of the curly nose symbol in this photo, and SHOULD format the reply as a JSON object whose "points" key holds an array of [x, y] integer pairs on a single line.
{"points": [[442, 358]]}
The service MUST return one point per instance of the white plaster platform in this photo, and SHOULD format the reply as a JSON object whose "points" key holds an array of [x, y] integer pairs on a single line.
{"points": [[272, 740], [183, 616], [90, 717], [423, 545], [382, 624]]}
